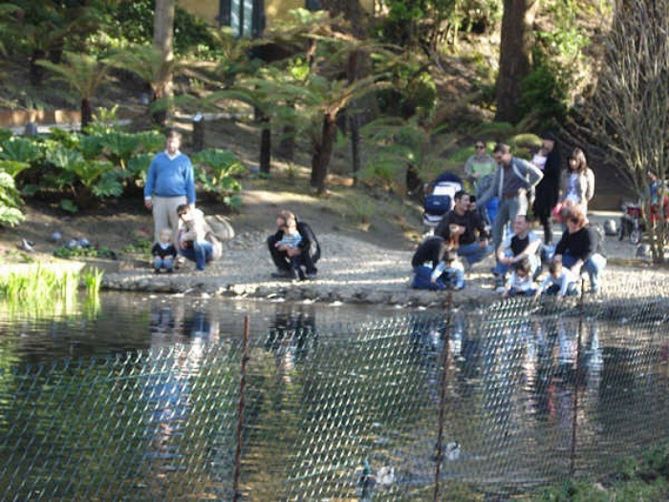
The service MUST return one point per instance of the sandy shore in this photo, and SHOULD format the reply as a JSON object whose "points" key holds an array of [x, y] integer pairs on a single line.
{"points": [[350, 271]]}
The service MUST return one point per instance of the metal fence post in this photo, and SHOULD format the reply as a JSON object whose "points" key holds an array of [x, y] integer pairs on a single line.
{"points": [[442, 398], [574, 419], [240, 411]]}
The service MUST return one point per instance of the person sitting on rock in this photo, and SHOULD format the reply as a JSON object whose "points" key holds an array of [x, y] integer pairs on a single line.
{"points": [[524, 244], [289, 253], [164, 253], [560, 282], [467, 226], [520, 282], [580, 248], [436, 266], [196, 240]]}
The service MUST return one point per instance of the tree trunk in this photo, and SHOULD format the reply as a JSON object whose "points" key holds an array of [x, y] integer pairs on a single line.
{"points": [[515, 56], [323, 153], [354, 125], [36, 72], [354, 69], [163, 40], [265, 146], [86, 114], [286, 148]]}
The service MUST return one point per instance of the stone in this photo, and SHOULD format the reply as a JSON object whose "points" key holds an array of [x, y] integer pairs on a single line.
{"points": [[610, 227], [643, 251]]}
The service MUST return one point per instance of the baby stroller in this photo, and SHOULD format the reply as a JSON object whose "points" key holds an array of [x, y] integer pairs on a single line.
{"points": [[632, 224], [439, 200]]}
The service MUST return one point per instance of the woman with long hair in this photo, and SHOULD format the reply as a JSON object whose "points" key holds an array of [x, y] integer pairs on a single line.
{"points": [[578, 181]]}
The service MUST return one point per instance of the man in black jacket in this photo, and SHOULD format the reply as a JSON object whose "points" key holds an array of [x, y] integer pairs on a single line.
{"points": [[308, 249], [468, 226]]}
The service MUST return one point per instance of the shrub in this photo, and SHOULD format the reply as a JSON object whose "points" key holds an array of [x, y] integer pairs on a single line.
{"points": [[10, 201], [217, 172]]}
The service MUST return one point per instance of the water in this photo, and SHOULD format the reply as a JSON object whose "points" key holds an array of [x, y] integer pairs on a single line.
{"points": [[129, 322], [526, 403]]}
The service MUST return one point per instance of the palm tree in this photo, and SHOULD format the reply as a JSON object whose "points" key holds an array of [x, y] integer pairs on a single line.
{"points": [[84, 74], [149, 64]]}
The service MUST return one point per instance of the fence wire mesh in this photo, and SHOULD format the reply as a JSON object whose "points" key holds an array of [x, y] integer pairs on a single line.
{"points": [[513, 396]]}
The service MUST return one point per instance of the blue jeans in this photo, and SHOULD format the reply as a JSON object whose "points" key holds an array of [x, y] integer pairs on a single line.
{"points": [[452, 277], [200, 253], [473, 252], [535, 263], [594, 266], [166, 263]]}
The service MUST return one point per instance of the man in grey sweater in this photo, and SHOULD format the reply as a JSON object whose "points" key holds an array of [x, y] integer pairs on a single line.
{"points": [[513, 180]]}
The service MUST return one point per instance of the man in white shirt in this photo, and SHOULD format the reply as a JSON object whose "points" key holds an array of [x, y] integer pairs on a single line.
{"points": [[523, 244]]}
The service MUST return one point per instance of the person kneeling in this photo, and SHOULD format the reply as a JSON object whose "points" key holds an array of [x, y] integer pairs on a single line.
{"points": [[197, 242], [520, 282], [293, 246], [436, 266], [560, 282]]}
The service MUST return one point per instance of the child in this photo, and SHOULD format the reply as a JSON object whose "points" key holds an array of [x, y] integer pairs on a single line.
{"points": [[289, 244], [449, 271], [560, 281], [520, 282], [164, 253]]}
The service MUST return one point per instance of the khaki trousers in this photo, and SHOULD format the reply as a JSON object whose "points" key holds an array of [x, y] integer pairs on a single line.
{"points": [[165, 215]]}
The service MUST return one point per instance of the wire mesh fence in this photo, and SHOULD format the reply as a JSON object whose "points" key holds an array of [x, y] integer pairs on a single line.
{"points": [[508, 397]]}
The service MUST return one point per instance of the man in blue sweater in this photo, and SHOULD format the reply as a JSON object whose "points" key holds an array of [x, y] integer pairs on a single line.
{"points": [[169, 183]]}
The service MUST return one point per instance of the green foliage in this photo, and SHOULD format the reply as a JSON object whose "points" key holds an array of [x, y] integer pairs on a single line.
{"points": [[131, 22], [544, 93], [217, 172], [434, 22], [646, 478], [68, 205], [138, 167], [10, 201], [40, 285], [139, 246], [20, 150], [87, 252], [396, 145], [92, 280], [13, 167], [557, 62], [81, 72]]}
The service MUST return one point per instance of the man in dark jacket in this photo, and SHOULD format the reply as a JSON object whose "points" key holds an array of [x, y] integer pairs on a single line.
{"points": [[308, 249], [468, 227]]}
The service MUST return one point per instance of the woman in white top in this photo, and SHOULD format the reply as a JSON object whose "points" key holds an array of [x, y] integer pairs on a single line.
{"points": [[578, 181]]}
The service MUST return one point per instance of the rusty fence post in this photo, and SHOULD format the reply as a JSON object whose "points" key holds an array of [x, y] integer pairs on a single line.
{"points": [[442, 398], [240, 412], [574, 418]]}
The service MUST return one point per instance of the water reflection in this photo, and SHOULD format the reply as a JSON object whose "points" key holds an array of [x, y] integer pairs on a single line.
{"points": [[527, 400]]}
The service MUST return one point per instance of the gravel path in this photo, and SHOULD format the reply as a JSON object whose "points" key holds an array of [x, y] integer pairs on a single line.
{"points": [[350, 271]]}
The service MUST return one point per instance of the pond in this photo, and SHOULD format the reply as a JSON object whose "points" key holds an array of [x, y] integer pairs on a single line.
{"points": [[340, 401]]}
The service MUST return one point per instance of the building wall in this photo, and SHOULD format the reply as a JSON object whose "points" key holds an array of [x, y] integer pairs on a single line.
{"points": [[275, 10], [206, 9]]}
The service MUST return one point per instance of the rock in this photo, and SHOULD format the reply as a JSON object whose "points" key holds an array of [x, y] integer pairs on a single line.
{"points": [[610, 227], [237, 289], [643, 251], [55, 236]]}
